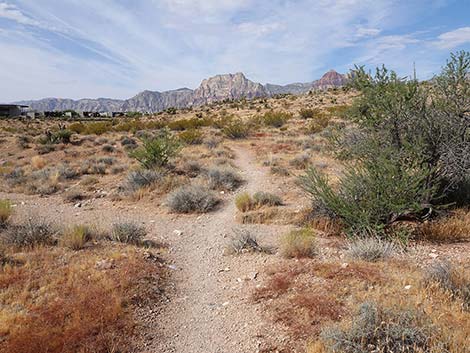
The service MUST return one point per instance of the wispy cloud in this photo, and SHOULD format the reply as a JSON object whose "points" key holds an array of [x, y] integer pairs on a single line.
{"points": [[453, 39], [117, 48]]}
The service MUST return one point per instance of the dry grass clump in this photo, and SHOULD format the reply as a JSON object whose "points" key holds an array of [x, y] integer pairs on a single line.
{"points": [[192, 198], [245, 202], [49, 307], [38, 162], [5, 212], [299, 243], [371, 249], [380, 329], [223, 179], [454, 228], [128, 232], [76, 237], [300, 161], [454, 280], [243, 241], [32, 232]]}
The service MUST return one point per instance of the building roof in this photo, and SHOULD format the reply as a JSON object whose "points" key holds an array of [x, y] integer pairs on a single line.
{"points": [[13, 105]]}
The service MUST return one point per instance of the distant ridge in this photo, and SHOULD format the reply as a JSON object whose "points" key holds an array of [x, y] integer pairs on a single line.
{"points": [[213, 89]]}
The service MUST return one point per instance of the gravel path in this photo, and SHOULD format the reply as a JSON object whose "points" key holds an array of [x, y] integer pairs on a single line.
{"points": [[212, 311], [208, 308]]}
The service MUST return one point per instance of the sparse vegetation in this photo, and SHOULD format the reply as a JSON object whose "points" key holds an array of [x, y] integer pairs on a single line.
{"points": [[243, 241], [76, 237], [32, 232], [5, 212], [299, 243], [371, 249], [192, 198], [128, 232], [156, 152], [223, 179]]}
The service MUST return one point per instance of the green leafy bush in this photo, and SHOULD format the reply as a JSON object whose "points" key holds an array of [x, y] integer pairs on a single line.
{"points": [[276, 119], [236, 129], [191, 137], [157, 151]]}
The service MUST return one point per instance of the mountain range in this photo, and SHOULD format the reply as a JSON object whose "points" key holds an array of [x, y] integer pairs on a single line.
{"points": [[217, 88]]}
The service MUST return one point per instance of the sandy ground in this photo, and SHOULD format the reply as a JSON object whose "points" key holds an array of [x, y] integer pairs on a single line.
{"points": [[208, 307]]}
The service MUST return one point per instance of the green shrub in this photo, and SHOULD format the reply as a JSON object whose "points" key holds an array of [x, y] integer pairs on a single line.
{"points": [[157, 151], [98, 128], [191, 137], [276, 119], [299, 243], [236, 129], [308, 113], [370, 195]]}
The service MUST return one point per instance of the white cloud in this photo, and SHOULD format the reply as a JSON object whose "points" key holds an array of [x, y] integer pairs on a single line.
{"points": [[452, 39], [11, 12]]}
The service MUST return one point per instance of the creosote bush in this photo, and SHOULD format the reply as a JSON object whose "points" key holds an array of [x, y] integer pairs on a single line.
{"points": [[276, 119], [299, 243], [192, 198], [412, 155], [156, 152], [236, 129], [191, 137], [5, 213]]}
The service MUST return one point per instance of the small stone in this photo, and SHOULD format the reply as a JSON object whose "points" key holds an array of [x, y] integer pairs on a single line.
{"points": [[225, 304], [408, 287], [77, 205], [344, 265], [433, 255], [104, 265], [177, 232], [172, 267]]}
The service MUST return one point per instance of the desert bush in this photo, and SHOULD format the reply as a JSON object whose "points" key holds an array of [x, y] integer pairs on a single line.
{"points": [[191, 137], [279, 170], [192, 168], [66, 172], [402, 166], [212, 143], [156, 152], [375, 328], [300, 161], [5, 212], [371, 195], [262, 198], [62, 135], [128, 142], [32, 232], [192, 198], [97, 128], [92, 166], [244, 202], [306, 113], [141, 178], [450, 278], [371, 249], [108, 148], [319, 124], [236, 129], [243, 241], [128, 232], [76, 237], [299, 243], [223, 179], [107, 160], [276, 119]]}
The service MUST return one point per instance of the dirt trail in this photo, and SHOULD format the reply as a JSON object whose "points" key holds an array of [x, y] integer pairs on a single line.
{"points": [[212, 312], [209, 309]]}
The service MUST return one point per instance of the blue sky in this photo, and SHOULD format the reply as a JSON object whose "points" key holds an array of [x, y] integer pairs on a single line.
{"points": [[104, 48]]}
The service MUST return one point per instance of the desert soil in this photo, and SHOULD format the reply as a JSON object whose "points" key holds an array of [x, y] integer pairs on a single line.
{"points": [[208, 306]]}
